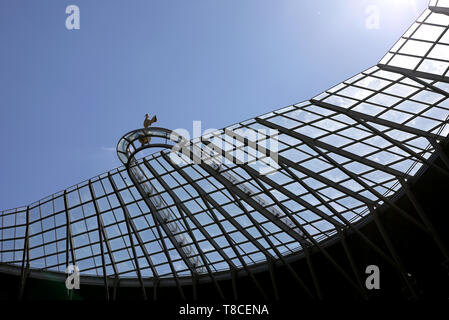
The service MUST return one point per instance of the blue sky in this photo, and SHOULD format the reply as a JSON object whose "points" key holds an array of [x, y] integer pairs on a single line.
{"points": [[66, 97]]}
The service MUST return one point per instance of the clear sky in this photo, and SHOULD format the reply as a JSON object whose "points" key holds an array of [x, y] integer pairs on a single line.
{"points": [[66, 97]]}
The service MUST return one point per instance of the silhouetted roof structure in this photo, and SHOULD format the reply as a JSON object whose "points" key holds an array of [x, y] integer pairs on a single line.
{"points": [[267, 188]]}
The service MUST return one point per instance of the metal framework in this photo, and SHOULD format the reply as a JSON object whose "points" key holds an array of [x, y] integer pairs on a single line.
{"points": [[248, 196]]}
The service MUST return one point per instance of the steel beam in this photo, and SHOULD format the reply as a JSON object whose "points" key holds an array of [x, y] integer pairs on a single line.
{"points": [[158, 221], [307, 172], [361, 182], [383, 122], [26, 255], [393, 251], [182, 208], [69, 239], [207, 199], [100, 239], [434, 233], [261, 209], [155, 213], [131, 225], [273, 247]]}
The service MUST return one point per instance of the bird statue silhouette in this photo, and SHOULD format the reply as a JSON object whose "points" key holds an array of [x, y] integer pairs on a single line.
{"points": [[146, 123]]}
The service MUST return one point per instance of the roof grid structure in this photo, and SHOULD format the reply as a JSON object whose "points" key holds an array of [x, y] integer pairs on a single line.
{"points": [[339, 157]]}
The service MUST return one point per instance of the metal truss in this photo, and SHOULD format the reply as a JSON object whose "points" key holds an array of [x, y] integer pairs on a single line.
{"points": [[255, 195]]}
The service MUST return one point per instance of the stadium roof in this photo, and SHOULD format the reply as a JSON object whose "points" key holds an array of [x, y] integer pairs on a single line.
{"points": [[304, 173]]}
